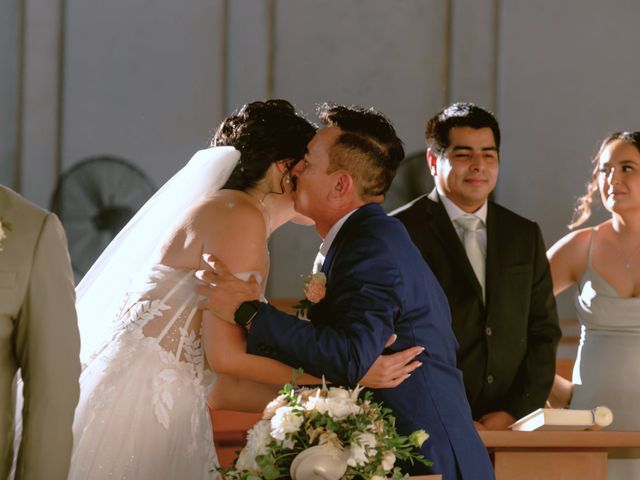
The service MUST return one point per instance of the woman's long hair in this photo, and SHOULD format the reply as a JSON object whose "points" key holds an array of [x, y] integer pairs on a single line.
{"points": [[582, 212]]}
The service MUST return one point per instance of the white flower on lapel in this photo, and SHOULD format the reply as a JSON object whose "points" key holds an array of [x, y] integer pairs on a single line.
{"points": [[4, 228]]}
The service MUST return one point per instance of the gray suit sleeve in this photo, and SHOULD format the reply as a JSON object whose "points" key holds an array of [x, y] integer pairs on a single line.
{"points": [[48, 348]]}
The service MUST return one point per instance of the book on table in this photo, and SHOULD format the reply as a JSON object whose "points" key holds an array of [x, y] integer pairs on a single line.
{"points": [[564, 419]]}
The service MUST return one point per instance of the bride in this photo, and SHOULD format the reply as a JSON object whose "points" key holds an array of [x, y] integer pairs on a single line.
{"points": [[143, 411]]}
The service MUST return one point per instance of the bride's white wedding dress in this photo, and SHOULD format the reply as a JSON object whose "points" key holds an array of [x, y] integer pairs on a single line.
{"points": [[142, 411]]}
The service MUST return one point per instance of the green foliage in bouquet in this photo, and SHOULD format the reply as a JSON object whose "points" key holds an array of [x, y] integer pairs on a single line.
{"points": [[361, 431]]}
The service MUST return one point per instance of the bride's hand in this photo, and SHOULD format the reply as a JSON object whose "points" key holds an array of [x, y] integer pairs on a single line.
{"points": [[389, 371], [224, 292]]}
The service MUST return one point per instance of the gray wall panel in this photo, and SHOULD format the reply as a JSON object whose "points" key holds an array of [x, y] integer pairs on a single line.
{"points": [[39, 140], [9, 59], [357, 52], [568, 77], [143, 81]]}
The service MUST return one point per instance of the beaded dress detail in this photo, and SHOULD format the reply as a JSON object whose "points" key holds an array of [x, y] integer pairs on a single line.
{"points": [[142, 412]]}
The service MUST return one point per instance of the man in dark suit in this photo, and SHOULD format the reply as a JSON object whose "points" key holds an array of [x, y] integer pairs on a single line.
{"points": [[492, 265], [377, 284]]}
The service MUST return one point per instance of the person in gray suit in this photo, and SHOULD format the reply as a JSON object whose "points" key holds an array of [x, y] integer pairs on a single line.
{"points": [[491, 264], [38, 336]]}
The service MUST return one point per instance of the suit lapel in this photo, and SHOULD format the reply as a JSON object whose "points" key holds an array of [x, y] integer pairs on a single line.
{"points": [[440, 226], [345, 232], [493, 248]]}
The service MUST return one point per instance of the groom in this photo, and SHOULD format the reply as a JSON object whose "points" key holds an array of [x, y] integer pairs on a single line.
{"points": [[377, 284]]}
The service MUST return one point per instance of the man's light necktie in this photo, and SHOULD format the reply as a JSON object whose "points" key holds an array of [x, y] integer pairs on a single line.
{"points": [[470, 224], [318, 262]]}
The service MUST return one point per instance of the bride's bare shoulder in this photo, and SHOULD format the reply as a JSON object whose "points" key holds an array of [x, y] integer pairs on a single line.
{"points": [[225, 222], [231, 210]]}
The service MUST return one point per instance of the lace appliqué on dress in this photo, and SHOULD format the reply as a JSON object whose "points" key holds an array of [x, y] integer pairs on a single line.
{"points": [[185, 365]]}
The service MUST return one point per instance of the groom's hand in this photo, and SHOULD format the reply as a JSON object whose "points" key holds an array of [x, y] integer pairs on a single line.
{"points": [[389, 371], [224, 292]]}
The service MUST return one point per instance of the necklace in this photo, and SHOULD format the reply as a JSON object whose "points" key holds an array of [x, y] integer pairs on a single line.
{"points": [[627, 258], [264, 209]]}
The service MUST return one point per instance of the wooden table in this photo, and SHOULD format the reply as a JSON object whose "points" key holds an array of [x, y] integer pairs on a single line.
{"points": [[558, 455]]}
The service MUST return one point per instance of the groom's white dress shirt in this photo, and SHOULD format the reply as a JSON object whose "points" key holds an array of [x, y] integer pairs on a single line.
{"points": [[328, 240]]}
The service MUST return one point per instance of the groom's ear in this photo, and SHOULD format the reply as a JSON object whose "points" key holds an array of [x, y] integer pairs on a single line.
{"points": [[344, 184]]}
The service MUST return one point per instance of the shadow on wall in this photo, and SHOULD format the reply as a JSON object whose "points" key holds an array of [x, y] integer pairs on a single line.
{"points": [[412, 180]]}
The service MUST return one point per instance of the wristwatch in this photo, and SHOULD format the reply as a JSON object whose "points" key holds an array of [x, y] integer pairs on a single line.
{"points": [[246, 313]]}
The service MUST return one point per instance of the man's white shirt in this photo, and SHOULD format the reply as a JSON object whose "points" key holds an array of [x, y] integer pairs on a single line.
{"points": [[455, 212], [328, 240]]}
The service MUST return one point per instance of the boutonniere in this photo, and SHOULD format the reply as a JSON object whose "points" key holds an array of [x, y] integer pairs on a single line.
{"points": [[315, 288], [4, 228]]}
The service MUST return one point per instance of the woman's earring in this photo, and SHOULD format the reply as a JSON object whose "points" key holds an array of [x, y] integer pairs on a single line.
{"points": [[287, 179]]}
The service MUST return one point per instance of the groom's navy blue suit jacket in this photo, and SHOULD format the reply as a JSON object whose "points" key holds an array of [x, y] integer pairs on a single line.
{"points": [[378, 284]]}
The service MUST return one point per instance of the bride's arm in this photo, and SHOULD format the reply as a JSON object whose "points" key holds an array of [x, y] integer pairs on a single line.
{"points": [[238, 236], [225, 349], [233, 393], [239, 239]]}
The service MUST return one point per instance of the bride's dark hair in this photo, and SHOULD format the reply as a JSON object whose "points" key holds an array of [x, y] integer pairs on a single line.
{"points": [[263, 133]]}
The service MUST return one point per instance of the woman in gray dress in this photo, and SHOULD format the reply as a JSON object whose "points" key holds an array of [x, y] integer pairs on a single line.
{"points": [[604, 262]]}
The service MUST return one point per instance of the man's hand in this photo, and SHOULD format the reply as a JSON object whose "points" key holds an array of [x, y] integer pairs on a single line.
{"points": [[389, 371], [478, 426], [224, 292], [497, 420]]}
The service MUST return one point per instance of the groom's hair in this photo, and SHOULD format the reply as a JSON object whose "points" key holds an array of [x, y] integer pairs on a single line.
{"points": [[263, 133], [368, 147], [461, 114]]}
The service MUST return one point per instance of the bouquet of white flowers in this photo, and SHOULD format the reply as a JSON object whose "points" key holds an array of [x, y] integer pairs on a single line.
{"points": [[325, 433]]}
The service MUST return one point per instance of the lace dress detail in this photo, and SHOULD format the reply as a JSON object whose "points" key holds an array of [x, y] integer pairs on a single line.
{"points": [[142, 411]]}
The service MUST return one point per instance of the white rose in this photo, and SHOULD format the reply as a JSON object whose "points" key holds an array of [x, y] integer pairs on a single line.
{"points": [[357, 456], [285, 420], [335, 392], [272, 406], [311, 402], [340, 408], [367, 440], [307, 393], [257, 439], [388, 461], [360, 448], [337, 408]]}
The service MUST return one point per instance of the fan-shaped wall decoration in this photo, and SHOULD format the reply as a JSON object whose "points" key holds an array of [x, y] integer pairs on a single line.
{"points": [[94, 199]]}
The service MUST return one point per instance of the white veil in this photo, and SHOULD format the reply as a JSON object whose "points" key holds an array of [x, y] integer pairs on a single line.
{"points": [[101, 292]]}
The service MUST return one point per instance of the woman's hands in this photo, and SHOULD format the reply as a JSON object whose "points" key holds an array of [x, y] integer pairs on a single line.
{"points": [[389, 371]]}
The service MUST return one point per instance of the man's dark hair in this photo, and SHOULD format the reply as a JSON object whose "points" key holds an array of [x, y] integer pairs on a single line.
{"points": [[264, 133], [368, 147], [458, 115]]}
